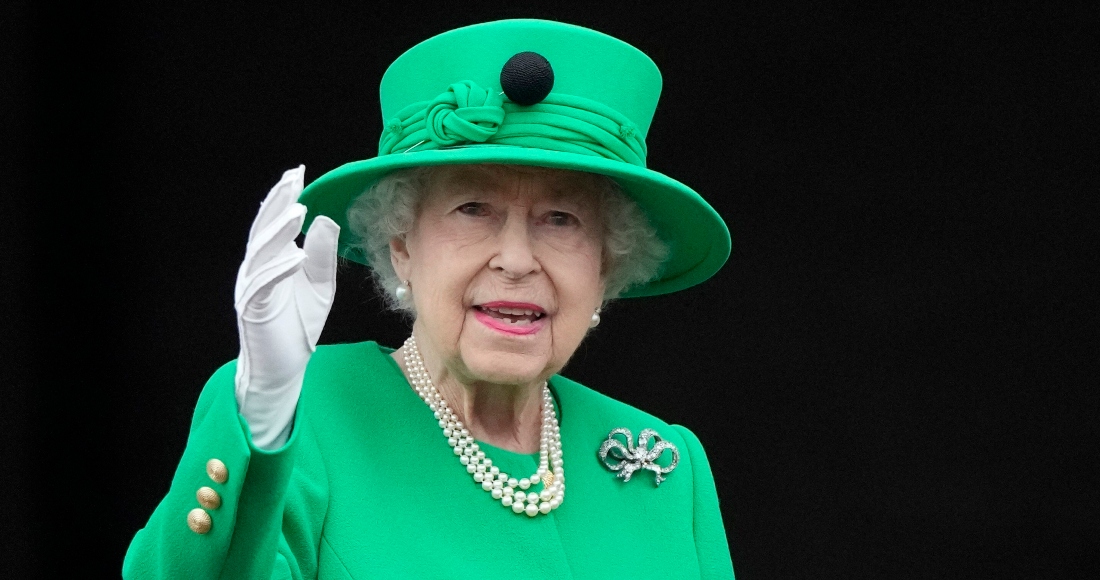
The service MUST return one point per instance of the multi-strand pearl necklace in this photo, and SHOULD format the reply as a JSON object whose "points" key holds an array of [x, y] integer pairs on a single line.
{"points": [[500, 485]]}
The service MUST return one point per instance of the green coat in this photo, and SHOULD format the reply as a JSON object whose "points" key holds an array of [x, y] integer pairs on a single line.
{"points": [[367, 487]]}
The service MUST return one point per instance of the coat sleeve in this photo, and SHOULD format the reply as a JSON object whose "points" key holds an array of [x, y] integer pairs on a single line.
{"points": [[266, 518], [711, 545]]}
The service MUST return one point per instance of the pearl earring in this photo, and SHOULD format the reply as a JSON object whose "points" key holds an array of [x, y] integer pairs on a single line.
{"points": [[402, 291], [595, 318]]}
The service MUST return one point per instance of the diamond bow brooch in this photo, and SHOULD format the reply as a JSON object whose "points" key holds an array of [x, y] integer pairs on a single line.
{"points": [[633, 457]]}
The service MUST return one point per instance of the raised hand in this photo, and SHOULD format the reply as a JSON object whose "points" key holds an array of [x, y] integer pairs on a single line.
{"points": [[282, 297]]}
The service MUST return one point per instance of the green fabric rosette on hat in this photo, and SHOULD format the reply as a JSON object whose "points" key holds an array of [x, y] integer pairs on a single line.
{"points": [[532, 92]]}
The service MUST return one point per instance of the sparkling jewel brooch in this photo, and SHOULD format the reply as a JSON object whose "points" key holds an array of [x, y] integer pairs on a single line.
{"points": [[633, 457]]}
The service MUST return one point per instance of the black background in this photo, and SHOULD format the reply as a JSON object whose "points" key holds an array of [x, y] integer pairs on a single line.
{"points": [[894, 374]]}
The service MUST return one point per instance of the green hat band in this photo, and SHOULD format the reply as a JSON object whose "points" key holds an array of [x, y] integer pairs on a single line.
{"points": [[467, 113]]}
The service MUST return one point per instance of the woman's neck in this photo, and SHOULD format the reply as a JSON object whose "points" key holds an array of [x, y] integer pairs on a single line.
{"points": [[504, 416]]}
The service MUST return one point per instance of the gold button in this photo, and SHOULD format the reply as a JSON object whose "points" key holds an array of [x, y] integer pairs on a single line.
{"points": [[208, 498], [199, 521], [217, 471]]}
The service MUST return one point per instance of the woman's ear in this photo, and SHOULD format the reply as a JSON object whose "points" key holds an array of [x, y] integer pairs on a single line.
{"points": [[399, 257]]}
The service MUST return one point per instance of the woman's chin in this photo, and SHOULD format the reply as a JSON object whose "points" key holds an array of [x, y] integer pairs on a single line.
{"points": [[506, 368]]}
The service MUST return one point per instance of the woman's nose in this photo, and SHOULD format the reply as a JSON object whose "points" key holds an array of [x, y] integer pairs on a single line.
{"points": [[515, 255]]}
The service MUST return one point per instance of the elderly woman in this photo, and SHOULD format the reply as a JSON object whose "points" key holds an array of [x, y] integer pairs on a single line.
{"points": [[509, 202]]}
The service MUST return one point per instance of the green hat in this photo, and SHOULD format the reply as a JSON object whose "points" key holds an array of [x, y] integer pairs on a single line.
{"points": [[532, 92]]}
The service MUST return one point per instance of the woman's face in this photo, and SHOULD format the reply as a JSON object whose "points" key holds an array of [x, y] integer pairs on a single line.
{"points": [[504, 266]]}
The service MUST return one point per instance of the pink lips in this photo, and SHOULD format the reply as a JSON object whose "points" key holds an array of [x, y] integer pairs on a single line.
{"points": [[506, 327]]}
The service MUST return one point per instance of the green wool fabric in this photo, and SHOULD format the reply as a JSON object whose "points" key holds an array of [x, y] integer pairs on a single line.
{"points": [[367, 487]]}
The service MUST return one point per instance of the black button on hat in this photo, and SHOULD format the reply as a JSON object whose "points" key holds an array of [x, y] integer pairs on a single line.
{"points": [[527, 78]]}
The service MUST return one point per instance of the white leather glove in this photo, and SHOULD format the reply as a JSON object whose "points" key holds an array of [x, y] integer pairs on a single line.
{"points": [[282, 297]]}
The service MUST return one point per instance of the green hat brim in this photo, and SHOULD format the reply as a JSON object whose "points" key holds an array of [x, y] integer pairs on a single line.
{"points": [[698, 239]]}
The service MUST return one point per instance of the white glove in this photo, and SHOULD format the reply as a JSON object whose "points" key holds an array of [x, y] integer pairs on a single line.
{"points": [[282, 297]]}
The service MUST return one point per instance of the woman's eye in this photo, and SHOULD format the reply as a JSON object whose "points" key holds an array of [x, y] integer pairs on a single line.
{"points": [[561, 218], [473, 208]]}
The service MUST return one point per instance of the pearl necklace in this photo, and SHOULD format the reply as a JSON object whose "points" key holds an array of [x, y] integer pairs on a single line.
{"points": [[499, 484]]}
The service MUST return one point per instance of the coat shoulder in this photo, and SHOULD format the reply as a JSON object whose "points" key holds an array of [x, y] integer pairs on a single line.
{"points": [[599, 408]]}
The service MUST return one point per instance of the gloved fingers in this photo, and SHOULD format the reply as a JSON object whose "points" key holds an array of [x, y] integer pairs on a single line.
{"points": [[284, 193], [276, 238], [256, 289], [320, 247]]}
